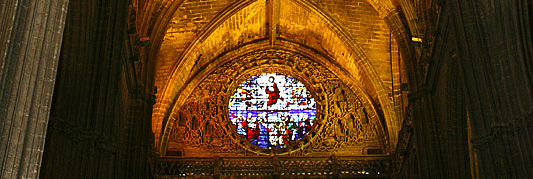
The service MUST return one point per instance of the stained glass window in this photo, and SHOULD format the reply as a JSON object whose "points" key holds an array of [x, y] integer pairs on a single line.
{"points": [[271, 110]]}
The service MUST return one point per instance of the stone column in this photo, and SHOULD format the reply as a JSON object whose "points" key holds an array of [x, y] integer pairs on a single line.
{"points": [[427, 139], [496, 57], [31, 36]]}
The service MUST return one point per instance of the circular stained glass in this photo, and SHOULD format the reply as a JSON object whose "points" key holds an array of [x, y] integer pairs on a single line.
{"points": [[272, 110]]}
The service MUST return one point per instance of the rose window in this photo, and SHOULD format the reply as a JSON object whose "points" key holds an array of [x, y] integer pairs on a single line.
{"points": [[272, 110]]}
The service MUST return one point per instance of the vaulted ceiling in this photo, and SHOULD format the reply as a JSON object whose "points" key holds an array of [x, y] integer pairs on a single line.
{"points": [[359, 37]]}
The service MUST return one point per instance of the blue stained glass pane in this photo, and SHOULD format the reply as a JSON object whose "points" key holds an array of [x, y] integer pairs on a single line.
{"points": [[270, 110]]}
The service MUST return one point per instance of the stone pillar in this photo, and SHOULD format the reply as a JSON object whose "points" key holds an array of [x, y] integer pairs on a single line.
{"points": [[427, 140], [30, 41], [92, 131], [335, 167], [216, 166], [496, 60]]}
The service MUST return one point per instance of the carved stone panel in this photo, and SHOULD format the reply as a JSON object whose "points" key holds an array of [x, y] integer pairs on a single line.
{"points": [[344, 126]]}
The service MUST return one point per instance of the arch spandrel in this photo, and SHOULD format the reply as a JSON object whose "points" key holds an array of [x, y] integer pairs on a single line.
{"points": [[188, 55]]}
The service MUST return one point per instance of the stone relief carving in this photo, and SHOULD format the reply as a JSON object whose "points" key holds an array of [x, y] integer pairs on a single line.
{"points": [[266, 167], [342, 120]]}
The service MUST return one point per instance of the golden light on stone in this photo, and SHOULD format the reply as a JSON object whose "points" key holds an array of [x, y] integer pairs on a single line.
{"points": [[201, 64]]}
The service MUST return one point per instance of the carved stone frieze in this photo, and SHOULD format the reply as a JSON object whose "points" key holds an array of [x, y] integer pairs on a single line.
{"points": [[266, 167]]}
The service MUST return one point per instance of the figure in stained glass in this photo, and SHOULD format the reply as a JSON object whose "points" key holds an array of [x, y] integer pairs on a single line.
{"points": [[278, 110]]}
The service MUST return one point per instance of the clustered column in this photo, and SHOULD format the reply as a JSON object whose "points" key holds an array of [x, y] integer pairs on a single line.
{"points": [[496, 62], [31, 36]]}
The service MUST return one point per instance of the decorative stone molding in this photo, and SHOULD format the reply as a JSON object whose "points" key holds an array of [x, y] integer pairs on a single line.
{"points": [[329, 166], [513, 127], [79, 134]]}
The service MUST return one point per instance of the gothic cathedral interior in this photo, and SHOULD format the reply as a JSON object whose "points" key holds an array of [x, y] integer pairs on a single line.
{"points": [[268, 89]]}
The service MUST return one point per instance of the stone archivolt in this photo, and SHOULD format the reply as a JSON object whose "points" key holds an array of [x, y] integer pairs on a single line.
{"points": [[344, 126]]}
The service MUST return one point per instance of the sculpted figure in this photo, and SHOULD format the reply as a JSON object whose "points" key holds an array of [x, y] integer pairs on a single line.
{"points": [[341, 100]]}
